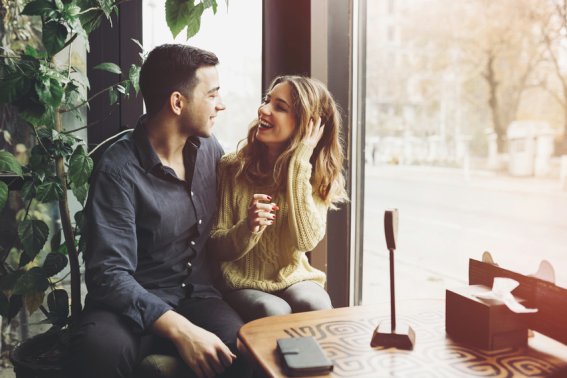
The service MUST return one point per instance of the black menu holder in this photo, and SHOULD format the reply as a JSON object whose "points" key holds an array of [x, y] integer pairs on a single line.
{"points": [[392, 334]]}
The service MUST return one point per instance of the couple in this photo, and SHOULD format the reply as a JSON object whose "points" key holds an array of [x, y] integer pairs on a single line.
{"points": [[156, 236]]}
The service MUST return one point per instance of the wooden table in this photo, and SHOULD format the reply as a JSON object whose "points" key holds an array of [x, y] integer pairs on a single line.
{"points": [[345, 333]]}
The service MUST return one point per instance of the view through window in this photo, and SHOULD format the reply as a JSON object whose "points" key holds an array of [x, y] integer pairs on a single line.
{"points": [[234, 34], [466, 134]]}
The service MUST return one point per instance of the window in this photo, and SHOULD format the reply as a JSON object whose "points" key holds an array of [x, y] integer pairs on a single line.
{"points": [[463, 137], [240, 65]]}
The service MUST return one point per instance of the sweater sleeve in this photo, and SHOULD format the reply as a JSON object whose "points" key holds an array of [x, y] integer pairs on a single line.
{"points": [[230, 237], [307, 211]]}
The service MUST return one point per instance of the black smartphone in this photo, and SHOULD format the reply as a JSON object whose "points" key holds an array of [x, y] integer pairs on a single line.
{"points": [[303, 356]]}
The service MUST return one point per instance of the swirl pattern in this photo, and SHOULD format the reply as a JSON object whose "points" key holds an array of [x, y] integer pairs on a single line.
{"points": [[347, 344]]}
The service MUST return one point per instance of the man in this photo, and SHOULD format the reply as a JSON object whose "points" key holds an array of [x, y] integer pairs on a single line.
{"points": [[150, 209]]}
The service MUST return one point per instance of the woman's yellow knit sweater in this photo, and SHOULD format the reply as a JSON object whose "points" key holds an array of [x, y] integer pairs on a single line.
{"points": [[274, 258]]}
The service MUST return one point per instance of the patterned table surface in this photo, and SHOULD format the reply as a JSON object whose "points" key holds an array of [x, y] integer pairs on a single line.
{"points": [[345, 334]]}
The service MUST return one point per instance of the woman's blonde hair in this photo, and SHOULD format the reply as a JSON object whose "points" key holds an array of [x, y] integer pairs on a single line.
{"points": [[310, 100]]}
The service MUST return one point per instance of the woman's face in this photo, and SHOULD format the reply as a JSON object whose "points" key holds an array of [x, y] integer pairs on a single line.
{"points": [[276, 118]]}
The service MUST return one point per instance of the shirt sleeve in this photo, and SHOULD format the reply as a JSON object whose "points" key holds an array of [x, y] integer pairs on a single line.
{"points": [[230, 238], [112, 256], [307, 211]]}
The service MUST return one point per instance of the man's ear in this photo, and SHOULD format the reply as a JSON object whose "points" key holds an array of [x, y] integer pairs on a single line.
{"points": [[176, 102]]}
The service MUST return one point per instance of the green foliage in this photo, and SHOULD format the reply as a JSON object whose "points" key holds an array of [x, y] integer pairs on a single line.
{"points": [[181, 14], [134, 76], [41, 91], [3, 194], [54, 263], [33, 234], [31, 281], [9, 164], [80, 167], [57, 302], [109, 67]]}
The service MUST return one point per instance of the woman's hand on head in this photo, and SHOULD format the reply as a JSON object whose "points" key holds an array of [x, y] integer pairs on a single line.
{"points": [[260, 213], [314, 132]]}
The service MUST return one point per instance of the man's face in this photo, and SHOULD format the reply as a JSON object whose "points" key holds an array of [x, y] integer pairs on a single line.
{"points": [[198, 117]]}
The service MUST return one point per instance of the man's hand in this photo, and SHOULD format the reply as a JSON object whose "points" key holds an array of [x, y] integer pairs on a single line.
{"points": [[201, 350]]}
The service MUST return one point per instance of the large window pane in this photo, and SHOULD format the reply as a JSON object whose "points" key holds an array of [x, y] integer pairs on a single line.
{"points": [[235, 35], [465, 127]]}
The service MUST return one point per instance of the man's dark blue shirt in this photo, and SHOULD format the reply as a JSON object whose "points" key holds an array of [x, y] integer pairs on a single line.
{"points": [[147, 229]]}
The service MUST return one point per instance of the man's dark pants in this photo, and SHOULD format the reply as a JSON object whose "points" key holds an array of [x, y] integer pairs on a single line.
{"points": [[105, 344]]}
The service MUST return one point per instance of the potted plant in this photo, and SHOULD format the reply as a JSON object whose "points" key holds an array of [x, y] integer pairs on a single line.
{"points": [[41, 90]]}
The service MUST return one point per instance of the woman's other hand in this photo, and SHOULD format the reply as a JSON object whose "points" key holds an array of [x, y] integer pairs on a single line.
{"points": [[260, 213], [314, 132]]}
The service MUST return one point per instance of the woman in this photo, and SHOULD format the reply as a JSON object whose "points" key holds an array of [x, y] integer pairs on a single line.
{"points": [[274, 196]]}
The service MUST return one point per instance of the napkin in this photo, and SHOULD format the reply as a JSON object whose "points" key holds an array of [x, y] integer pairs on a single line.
{"points": [[502, 291]]}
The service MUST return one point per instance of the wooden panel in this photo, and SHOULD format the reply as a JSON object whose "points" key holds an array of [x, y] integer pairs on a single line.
{"points": [[112, 44]]}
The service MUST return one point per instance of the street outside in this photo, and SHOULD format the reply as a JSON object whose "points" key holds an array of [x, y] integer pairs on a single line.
{"points": [[447, 216]]}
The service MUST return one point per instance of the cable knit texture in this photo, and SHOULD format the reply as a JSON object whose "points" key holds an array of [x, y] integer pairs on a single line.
{"points": [[274, 258]]}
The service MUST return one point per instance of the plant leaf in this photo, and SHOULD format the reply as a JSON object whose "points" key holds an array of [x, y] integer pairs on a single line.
{"points": [[55, 239], [54, 263], [80, 192], [107, 6], [24, 260], [80, 220], [33, 300], [138, 43], [134, 76], [37, 8], [33, 235], [50, 190], [16, 304], [8, 163], [54, 37], [210, 3], [80, 167], [50, 92], [28, 191], [9, 280], [177, 14], [112, 96], [4, 305], [58, 304], [32, 280], [194, 20], [108, 67], [3, 194], [72, 10], [14, 86]]}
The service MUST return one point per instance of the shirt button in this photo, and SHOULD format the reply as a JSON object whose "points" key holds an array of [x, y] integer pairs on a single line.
{"points": [[192, 242], [183, 284], [192, 193], [189, 265], [200, 221]]}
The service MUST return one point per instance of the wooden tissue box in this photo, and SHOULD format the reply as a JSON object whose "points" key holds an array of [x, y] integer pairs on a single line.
{"points": [[482, 323]]}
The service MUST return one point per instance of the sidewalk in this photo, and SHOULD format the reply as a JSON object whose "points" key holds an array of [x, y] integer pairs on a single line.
{"points": [[475, 178]]}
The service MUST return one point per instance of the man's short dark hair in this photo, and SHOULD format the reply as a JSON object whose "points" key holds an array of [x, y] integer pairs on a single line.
{"points": [[169, 68]]}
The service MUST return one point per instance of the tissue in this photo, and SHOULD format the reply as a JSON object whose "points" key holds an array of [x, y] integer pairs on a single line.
{"points": [[502, 291]]}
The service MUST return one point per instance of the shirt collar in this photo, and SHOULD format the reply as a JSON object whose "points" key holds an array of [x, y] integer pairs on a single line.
{"points": [[146, 153], [148, 157]]}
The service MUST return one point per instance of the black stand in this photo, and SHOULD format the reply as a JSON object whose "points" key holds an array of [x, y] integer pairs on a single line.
{"points": [[389, 334]]}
